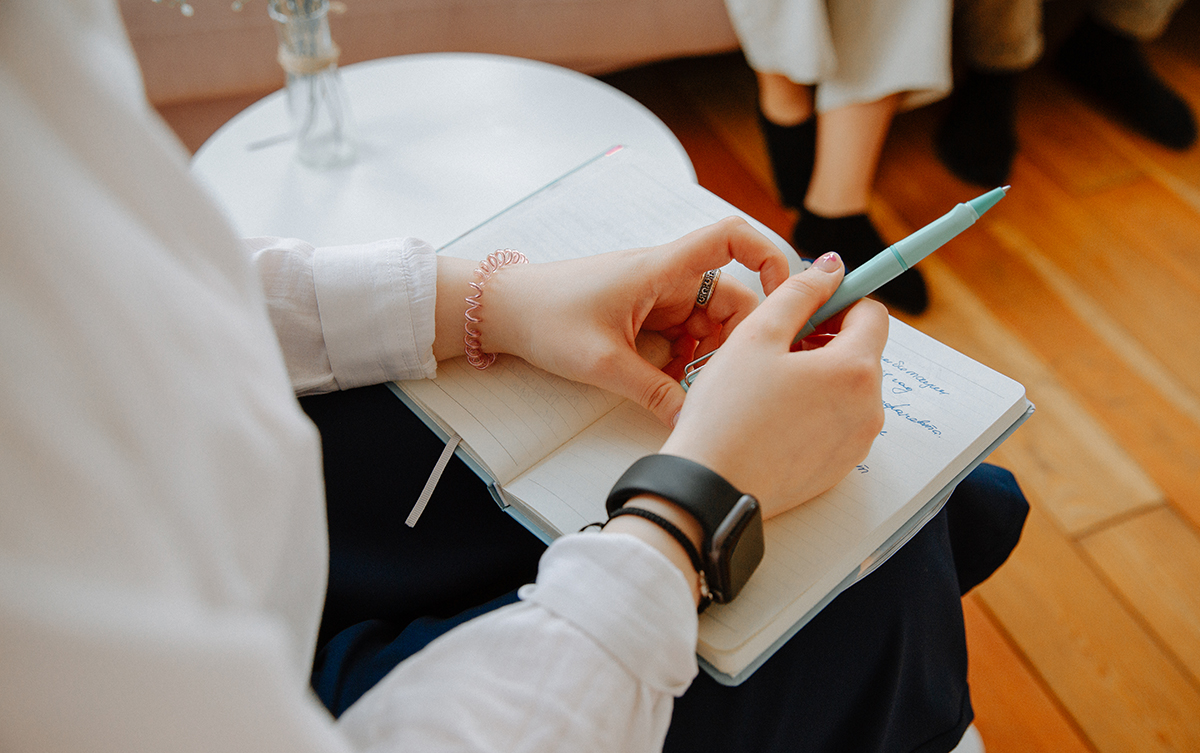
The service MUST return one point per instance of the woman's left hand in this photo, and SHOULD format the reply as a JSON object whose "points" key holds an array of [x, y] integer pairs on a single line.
{"points": [[581, 318]]}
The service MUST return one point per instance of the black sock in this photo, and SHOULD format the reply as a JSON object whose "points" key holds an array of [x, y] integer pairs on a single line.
{"points": [[1111, 68], [792, 150], [856, 240], [978, 139]]}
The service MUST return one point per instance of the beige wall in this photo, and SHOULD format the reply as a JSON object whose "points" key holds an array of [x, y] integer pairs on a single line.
{"points": [[218, 52]]}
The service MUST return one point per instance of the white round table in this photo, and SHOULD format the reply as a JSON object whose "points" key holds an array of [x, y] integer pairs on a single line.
{"points": [[444, 141]]}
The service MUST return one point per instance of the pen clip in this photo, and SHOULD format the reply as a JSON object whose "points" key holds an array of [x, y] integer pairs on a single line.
{"points": [[692, 370]]}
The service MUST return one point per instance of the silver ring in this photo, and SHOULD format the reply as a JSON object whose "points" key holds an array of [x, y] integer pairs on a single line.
{"points": [[707, 284]]}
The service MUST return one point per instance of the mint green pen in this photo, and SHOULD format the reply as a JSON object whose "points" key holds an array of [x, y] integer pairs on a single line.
{"points": [[886, 266]]}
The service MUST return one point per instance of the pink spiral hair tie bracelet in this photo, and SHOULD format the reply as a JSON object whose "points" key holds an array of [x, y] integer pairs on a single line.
{"points": [[488, 267]]}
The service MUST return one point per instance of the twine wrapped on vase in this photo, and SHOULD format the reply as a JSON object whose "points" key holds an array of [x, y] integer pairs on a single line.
{"points": [[316, 100]]}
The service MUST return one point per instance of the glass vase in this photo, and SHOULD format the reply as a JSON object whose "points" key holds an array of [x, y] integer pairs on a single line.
{"points": [[317, 103]]}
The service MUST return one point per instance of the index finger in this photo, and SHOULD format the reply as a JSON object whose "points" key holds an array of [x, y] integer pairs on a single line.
{"points": [[756, 252], [734, 239]]}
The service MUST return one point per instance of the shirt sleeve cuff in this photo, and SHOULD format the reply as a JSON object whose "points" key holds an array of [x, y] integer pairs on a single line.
{"points": [[376, 303], [629, 598]]}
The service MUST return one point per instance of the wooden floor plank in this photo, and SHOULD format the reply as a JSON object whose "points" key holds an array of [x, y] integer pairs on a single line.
{"points": [[724, 91], [1156, 303], [1153, 560], [1077, 142], [1081, 473], [1124, 343], [1162, 228], [1092, 249], [1164, 442], [1063, 143], [1014, 711], [1114, 680]]}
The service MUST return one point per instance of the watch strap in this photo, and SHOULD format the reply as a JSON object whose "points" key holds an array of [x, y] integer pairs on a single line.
{"points": [[702, 492]]}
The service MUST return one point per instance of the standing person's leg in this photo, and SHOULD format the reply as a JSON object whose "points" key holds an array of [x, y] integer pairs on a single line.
{"points": [[997, 40], [824, 164], [853, 63], [834, 217], [849, 142], [786, 117], [787, 44], [1143, 19], [1104, 58]]}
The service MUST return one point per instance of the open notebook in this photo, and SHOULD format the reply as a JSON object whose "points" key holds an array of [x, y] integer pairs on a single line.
{"points": [[550, 449]]}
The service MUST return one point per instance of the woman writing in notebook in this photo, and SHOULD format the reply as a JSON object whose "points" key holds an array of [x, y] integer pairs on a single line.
{"points": [[174, 556]]}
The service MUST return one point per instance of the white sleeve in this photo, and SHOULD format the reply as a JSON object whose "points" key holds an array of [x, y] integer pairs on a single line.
{"points": [[162, 527], [586, 662], [349, 316]]}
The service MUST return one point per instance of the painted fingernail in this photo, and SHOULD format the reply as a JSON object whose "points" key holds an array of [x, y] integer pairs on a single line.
{"points": [[675, 420], [830, 262]]}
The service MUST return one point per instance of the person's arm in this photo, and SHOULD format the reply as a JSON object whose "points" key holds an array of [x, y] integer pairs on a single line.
{"points": [[592, 656], [580, 318], [364, 314], [606, 637]]}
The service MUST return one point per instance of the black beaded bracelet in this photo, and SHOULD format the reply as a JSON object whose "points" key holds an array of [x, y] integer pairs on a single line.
{"points": [[677, 534]]}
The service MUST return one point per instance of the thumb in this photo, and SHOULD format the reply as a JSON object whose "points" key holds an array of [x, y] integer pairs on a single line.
{"points": [[634, 377], [794, 302]]}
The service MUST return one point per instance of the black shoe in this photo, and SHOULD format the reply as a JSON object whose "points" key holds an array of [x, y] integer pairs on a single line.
{"points": [[793, 150], [978, 138], [855, 239], [1111, 68]]}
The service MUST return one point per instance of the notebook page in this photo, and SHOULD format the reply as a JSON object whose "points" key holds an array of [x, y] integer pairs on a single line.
{"points": [[941, 410], [511, 415], [609, 204], [568, 489]]}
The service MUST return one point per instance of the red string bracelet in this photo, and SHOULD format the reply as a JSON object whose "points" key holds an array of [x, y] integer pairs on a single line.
{"points": [[488, 267]]}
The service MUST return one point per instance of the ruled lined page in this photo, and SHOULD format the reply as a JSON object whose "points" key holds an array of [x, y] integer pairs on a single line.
{"points": [[511, 415], [568, 488], [607, 205]]}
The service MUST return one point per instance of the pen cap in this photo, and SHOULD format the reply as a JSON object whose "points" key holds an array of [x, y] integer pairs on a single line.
{"points": [[933, 236]]}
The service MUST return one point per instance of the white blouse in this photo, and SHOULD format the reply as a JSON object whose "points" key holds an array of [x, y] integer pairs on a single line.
{"points": [[162, 536]]}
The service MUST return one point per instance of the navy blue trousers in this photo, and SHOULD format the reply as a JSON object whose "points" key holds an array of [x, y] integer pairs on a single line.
{"points": [[882, 668]]}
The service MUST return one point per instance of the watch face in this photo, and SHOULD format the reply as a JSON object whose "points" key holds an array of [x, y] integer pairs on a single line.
{"points": [[736, 549]]}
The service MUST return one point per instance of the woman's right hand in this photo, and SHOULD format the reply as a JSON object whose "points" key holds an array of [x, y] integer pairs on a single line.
{"points": [[787, 424]]}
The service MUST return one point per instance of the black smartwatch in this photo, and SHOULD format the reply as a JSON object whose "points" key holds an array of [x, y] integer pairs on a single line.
{"points": [[731, 521]]}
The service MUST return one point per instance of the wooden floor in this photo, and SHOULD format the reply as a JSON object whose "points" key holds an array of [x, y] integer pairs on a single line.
{"points": [[1084, 284]]}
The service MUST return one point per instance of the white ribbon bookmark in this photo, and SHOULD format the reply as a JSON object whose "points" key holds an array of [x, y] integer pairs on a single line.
{"points": [[434, 477]]}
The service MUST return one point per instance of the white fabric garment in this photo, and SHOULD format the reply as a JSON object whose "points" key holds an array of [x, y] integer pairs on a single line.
{"points": [[855, 51], [350, 316], [162, 536]]}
